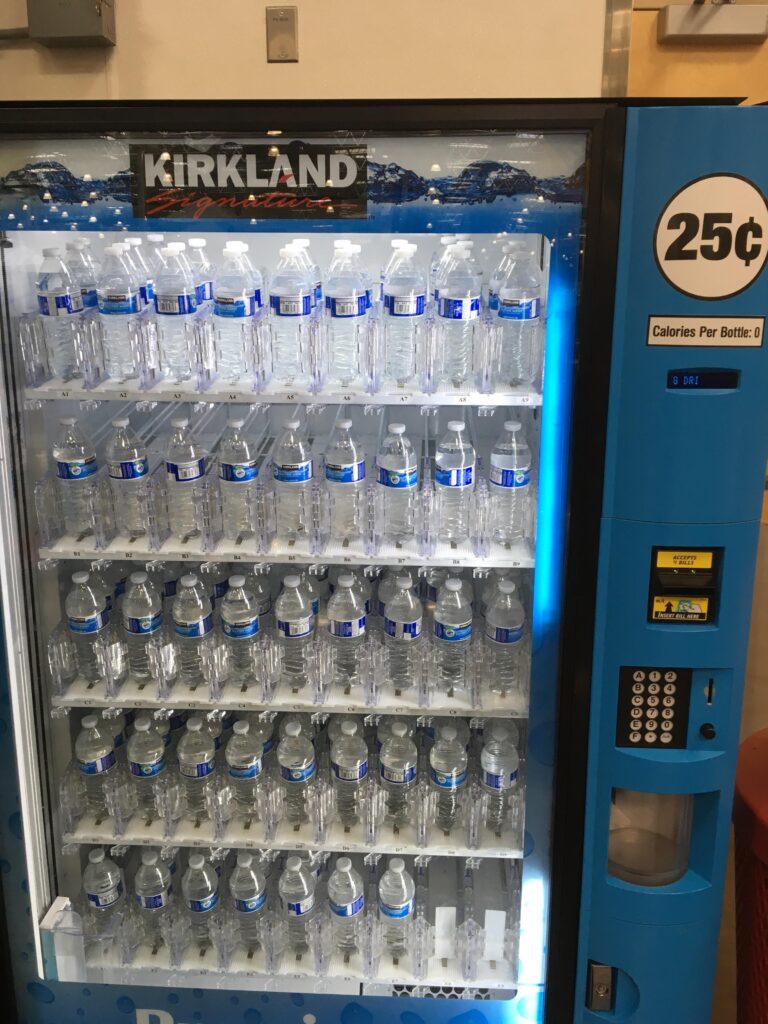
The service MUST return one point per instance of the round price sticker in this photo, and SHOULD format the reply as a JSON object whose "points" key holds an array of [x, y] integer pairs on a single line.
{"points": [[711, 240]]}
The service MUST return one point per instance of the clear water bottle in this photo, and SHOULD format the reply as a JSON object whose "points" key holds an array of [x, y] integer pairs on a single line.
{"points": [[88, 622], [76, 467], [499, 273], [346, 628], [257, 581], [509, 481], [397, 905], [154, 894], [59, 303], [297, 897], [448, 776], [454, 482], [115, 725], [403, 615], [259, 275], [433, 581], [244, 754], [490, 588], [196, 754], [452, 636], [404, 308], [238, 461], [504, 629], [458, 318], [499, 766], [248, 889], [384, 729], [311, 591], [142, 613], [146, 760], [97, 761], [346, 901], [398, 768], [438, 258], [155, 244], [167, 576], [298, 767], [335, 722], [193, 628], [346, 318], [144, 273], [200, 886], [388, 587], [215, 577], [295, 629], [302, 246], [236, 300], [518, 315], [397, 244], [349, 771], [83, 270], [128, 467], [215, 729], [292, 469], [291, 294], [398, 474], [175, 306], [185, 464], [345, 483], [119, 303], [102, 883], [203, 270], [436, 726], [241, 626]]}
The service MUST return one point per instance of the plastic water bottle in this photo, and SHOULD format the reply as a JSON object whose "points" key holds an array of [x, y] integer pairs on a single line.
{"points": [[215, 578], [510, 485], [83, 270], [298, 767], [193, 626], [154, 893], [196, 754], [452, 636], [142, 613], [128, 467], [349, 771], [388, 587], [257, 581], [346, 318], [404, 308], [185, 464], [335, 722], [499, 273], [292, 469], [398, 474], [454, 482], [236, 300], [433, 581], [88, 624], [346, 628], [437, 725], [397, 244], [241, 627], [203, 270], [436, 262], [155, 244], [291, 293], [200, 886], [76, 466], [448, 776], [97, 761], [102, 884], [499, 765], [346, 901], [238, 472], [398, 768], [504, 627], [175, 305], [244, 754], [119, 303], [295, 628], [518, 315], [146, 761], [397, 904], [139, 260], [248, 889], [345, 482], [384, 729], [304, 721], [403, 615], [310, 590], [302, 246], [490, 588], [458, 318], [297, 896], [59, 303]]}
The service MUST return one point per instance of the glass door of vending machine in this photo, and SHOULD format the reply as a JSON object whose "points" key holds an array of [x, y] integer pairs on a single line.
{"points": [[289, 407]]}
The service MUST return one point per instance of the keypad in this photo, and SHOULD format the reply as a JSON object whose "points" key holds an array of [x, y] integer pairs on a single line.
{"points": [[653, 707]]}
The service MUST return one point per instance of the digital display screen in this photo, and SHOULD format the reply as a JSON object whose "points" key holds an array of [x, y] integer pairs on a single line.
{"points": [[702, 380]]}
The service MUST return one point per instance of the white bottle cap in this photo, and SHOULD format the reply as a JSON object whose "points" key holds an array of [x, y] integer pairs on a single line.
{"points": [[156, 238], [122, 421], [237, 581], [447, 239], [244, 859], [194, 724], [398, 243], [345, 424], [142, 723], [120, 246], [197, 243], [507, 586], [499, 731], [196, 861], [293, 864], [180, 422], [241, 727], [403, 582], [149, 857], [177, 246], [51, 252], [189, 580], [348, 727], [409, 247], [347, 580], [448, 732], [134, 241], [456, 425], [291, 581], [300, 243], [354, 248], [89, 722], [344, 864], [399, 729], [454, 585], [293, 729], [138, 577], [397, 864], [167, 251], [113, 250], [292, 424], [80, 577], [288, 250], [236, 422], [68, 421], [96, 856], [342, 243], [512, 425], [396, 428]]}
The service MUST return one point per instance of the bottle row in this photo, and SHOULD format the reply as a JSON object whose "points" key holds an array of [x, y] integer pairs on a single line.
{"points": [[181, 319], [402, 785], [348, 632], [257, 488], [271, 912]]}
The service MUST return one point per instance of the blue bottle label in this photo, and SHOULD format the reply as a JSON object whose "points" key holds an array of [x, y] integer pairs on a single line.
{"points": [[402, 630], [293, 473], [191, 629], [169, 588], [347, 629], [291, 305], [125, 303], [294, 628], [404, 305], [146, 293], [392, 478], [203, 906], [130, 470], [493, 300], [161, 899], [298, 774], [301, 907], [185, 472], [347, 909], [106, 899], [144, 625], [88, 623], [508, 477], [238, 472], [349, 473], [463, 477], [147, 769], [453, 633], [460, 309], [350, 774], [397, 776], [60, 305], [77, 469], [448, 780], [89, 297], [230, 306], [501, 635], [518, 309], [368, 298], [349, 305], [175, 305], [493, 781], [203, 292], [240, 630], [251, 905], [196, 770], [99, 765], [246, 771], [400, 910]]}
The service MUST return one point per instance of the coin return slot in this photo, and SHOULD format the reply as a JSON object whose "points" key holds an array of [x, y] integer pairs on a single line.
{"points": [[710, 691]]}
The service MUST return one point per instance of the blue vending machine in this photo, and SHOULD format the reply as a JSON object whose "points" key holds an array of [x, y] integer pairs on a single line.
{"points": [[376, 564]]}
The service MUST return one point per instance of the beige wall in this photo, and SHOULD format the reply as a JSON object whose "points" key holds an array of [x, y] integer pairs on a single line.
{"points": [[347, 48]]}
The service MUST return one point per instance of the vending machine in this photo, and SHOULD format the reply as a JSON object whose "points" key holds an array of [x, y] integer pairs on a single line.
{"points": [[376, 567]]}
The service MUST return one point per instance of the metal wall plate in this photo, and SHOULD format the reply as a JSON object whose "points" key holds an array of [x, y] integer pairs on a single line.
{"points": [[282, 35]]}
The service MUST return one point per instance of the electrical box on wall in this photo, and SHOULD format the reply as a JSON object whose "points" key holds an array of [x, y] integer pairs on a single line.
{"points": [[72, 22]]}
